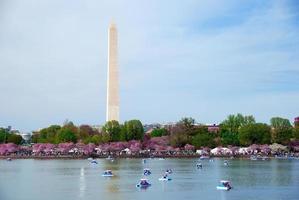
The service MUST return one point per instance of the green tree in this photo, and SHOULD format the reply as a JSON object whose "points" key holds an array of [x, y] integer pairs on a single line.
{"points": [[35, 137], [249, 119], [13, 138], [48, 135], [230, 127], [234, 122], [296, 132], [258, 133], [278, 122], [3, 135], [228, 138], [52, 133], [281, 130], [123, 133], [179, 139], [187, 122], [70, 125], [133, 130], [158, 132], [86, 131], [96, 139], [113, 129], [66, 134], [106, 137], [178, 136], [86, 140], [42, 138], [204, 139]]}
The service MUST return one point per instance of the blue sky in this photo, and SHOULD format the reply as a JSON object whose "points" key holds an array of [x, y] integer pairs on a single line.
{"points": [[205, 59]]}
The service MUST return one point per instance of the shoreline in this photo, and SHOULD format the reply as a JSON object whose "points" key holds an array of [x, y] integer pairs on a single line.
{"points": [[83, 157]]}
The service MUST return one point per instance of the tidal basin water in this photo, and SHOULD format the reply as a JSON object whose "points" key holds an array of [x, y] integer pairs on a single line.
{"points": [[79, 179]]}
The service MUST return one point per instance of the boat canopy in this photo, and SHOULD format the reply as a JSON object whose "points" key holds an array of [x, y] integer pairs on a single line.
{"points": [[224, 181]]}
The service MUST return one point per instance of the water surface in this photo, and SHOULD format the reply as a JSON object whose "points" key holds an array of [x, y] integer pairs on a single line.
{"points": [[78, 179]]}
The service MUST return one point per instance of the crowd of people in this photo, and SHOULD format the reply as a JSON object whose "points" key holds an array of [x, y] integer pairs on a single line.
{"points": [[137, 149]]}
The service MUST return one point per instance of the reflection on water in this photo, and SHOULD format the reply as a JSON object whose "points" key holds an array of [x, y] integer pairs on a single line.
{"points": [[283, 171], [79, 179], [82, 185], [274, 172]]}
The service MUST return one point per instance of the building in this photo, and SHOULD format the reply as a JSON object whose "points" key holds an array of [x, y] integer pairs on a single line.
{"points": [[214, 128], [149, 127], [26, 136], [112, 109]]}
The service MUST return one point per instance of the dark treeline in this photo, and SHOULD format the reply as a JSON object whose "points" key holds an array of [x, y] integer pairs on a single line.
{"points": [[235, 130], [8, 136], [112, 131]]}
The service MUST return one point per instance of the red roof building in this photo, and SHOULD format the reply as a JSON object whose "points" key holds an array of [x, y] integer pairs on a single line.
{"points": [[213, 128]]}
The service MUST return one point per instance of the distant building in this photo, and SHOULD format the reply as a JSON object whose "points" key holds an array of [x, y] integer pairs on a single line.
{"points": [[97, 127], [147, 127], [213, 128], [25, 136]]}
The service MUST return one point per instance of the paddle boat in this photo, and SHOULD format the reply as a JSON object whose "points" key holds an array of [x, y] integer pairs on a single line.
{"points": [[265, 158], [204, 157], [109, 158], [224, 185], [8, 159], [168, 171], [225, 163], [147, 172], [107, 173], [253, 157], [165, 178], [143, 184], [290, 157], [94, 162], [161, 158], [199, 165], [90, 159]]}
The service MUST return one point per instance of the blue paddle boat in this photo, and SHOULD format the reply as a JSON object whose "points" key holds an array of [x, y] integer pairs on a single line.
{"points": [[224, 185], [107, 173], [143, 184]]}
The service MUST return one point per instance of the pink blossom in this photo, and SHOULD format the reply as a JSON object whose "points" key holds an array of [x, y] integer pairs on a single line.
{"points": [[265, 149], [104, 147], [8, 148], [65, 147], [135, 146], [189, 147], [254, 147], [89, 148]]}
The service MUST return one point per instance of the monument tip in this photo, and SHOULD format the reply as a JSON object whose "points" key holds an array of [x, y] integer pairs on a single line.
{"points": [[112, 23]]}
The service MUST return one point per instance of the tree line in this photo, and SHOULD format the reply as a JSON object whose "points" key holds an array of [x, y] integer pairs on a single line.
{"points": [[7, 136], [112, 131], [235, 130]]}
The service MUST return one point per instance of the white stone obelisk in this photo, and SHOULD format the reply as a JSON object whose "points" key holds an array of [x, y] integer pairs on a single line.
{"points": [[112, 110]]}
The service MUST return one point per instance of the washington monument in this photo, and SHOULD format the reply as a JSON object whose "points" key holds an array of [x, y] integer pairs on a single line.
{"points": [[112, 110]]}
